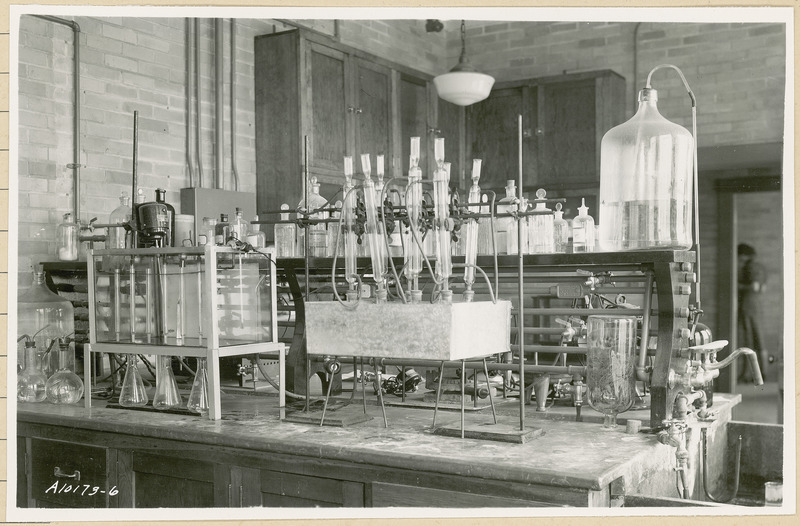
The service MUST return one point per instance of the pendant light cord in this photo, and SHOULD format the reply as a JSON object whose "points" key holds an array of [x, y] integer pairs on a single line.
{"points": [[696, 208]]}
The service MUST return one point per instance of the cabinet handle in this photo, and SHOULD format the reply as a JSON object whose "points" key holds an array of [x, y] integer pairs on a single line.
{"points": [[359, 111], [436, 131], [229, 495], [241, 498], [75, 475], [350, 109]]}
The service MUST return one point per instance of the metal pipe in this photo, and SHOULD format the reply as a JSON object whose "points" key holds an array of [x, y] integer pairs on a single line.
{"points": [[752, 357], [189, 101], [234, 169], [219, 135], [521, 285], [135, 182], [198, 115], [75, 165], [641, 374]]}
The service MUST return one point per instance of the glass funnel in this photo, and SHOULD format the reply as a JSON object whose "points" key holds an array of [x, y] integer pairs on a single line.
{"points": [[31, 380], [167, 395], [610, 378], [198, 398], [133, 393], [64, 387]]}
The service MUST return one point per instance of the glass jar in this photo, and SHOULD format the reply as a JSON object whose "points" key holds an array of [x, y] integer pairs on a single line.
{"points": [[611, 360], [285, 234], [506, 235], [44, 317], [317, 233], [646, 167], [67, 239], [583, 230], [208, 234], [560, 231], [240, 226], [541, 226]]}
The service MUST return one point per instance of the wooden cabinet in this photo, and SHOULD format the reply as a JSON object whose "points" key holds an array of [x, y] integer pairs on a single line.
{"points": [[345, 101], [564, 119]]}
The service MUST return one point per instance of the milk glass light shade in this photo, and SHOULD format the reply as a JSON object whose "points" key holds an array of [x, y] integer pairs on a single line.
{"points": [[463, 85]]}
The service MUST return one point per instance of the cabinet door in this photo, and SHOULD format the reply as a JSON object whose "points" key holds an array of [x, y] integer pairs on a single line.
{"points": [[413, 111], [325, 75], [279, 489], [493, 136], [161, 481], [372, 103], [67, 475], [568, 148], [450, 123]]}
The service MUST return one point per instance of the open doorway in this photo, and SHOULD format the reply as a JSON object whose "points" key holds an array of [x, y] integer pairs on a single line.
{"points": [[752, 209]]}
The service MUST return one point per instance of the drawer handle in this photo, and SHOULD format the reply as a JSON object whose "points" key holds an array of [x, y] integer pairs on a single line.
{"points": [[75, 475]]}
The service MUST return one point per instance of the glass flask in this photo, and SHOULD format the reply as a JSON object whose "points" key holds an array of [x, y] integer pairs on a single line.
{"points": [[64, 387], [583, 230], [285, 234], [611, 358], [541, 226], [560, 231], [222, 230], [67, 239], [198, 398], [44, 316], [506, 227], [31, 381], [133, 393], [646, 182], [317, 233], [118, 237], [167, 395], [240, 226]]}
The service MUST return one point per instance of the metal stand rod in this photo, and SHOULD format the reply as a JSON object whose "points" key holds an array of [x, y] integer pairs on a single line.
{"points": [[521, 289], [474, 385], [491, 398], [438, 395], [463, 384], [380, 393], [363, 386], [327, 396], [355, 370]]}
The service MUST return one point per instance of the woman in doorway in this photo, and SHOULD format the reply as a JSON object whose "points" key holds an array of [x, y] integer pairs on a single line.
{"points": [[752, 280]]}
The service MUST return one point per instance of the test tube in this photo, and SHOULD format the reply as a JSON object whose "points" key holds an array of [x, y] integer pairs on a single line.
{"points": [[441, 211], [132, 299], [117, 307], [413, 251], [373, 237], [350, 245], [471, 231], [148, 295], [181, 300]]}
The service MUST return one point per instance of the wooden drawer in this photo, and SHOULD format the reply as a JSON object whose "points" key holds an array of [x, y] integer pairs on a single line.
{"points": [[289, 490], [70, 475], [386, 495]]}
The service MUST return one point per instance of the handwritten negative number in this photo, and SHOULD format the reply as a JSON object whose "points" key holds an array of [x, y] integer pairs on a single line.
{"points": [[80, 489]]}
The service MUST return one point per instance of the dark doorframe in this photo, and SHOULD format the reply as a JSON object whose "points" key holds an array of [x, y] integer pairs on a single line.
{"points": [[727, 189]]}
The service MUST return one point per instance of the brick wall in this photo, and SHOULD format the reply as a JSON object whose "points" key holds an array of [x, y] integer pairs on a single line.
{"points": [[130, 64]]}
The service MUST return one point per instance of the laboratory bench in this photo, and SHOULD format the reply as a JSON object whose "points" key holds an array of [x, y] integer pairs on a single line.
{"points": [[251, 457]]}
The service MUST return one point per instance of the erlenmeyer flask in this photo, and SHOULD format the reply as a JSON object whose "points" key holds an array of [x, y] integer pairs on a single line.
{"points": [[31, 380], [133, 393], [64, 387], [198, 398], [167, 395]]}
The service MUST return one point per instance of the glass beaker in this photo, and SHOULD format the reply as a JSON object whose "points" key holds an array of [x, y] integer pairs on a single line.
{"points": [[64, 387], [31, 380], [198, 398], [285, 234], [610, 376], [67, 239], [133, 393], [167, 395]]}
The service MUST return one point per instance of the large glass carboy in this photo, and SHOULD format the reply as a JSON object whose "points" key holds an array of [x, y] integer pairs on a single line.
{"points": [[610, 377], [646, 182], [44, 316]]}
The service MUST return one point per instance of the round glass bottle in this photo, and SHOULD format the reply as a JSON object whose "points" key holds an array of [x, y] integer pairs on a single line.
{"points": [[611, 359], [31, 381], [646, 182], [64, 387], [560, 231]]}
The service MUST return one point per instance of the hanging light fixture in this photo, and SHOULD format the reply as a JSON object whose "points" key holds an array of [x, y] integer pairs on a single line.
{"points": [[463, 85]]}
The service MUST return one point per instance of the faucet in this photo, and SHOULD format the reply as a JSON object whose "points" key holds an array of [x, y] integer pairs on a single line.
{"points": [[675, 436], [703, 367]]}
